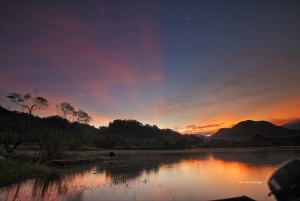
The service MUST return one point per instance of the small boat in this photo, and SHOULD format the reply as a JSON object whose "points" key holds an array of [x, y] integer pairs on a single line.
{"points": [[241, 198], [74, 161], [285, 181]]}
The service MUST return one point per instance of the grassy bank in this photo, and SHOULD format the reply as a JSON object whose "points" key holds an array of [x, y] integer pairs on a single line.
{"points": [[18, 166], [26, 162]]}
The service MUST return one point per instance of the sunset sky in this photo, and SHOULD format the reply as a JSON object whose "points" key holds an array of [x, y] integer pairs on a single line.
{"points": [[193, 66]]}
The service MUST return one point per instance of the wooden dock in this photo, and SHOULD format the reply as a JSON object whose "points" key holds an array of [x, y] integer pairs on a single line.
{"points": [[74, 161]]}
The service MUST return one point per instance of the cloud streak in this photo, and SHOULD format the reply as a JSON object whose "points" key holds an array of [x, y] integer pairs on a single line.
{"points": [[71, 54], [141, 60], [242, 88], [246, 83]]}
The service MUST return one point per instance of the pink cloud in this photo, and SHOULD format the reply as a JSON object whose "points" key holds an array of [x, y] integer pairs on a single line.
{"points": [[195, 129], [206, 126], [79, 55]]}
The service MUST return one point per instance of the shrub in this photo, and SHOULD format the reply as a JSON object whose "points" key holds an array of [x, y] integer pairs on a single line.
{"points": [[54, 143]]}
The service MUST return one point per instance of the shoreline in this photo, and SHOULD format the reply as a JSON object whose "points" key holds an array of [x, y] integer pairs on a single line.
{"points": [[23, 165]]}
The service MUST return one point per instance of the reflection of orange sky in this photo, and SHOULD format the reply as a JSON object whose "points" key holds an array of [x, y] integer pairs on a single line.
{"points": [[219, 178], [209, 179], [72, 185], [187, 180], [230, 171]]}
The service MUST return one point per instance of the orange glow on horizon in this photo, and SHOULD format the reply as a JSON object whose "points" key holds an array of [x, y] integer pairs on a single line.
{"points": [[135, 65]]}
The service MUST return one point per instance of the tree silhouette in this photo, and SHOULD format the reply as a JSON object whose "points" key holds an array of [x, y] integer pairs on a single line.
{"points": [[67, 111], [18, 131]]}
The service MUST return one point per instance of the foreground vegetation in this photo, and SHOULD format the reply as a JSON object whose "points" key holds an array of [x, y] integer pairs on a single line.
{"points": [[29, 163], [18, 166]]}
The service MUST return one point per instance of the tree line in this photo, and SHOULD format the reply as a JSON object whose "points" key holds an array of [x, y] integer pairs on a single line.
{"points": [[132, 134], [54, 134], [69, 130]]}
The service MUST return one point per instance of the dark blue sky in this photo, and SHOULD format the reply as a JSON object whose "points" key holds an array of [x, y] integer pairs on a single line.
{"points": [[194, 66]]}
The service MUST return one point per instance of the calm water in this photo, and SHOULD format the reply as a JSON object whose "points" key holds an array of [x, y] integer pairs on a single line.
{"points": [[199, 174]]}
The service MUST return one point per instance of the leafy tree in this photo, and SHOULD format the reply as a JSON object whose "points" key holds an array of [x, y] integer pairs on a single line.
{"points": [[18, 130], [55, 143], [67, 111], [75, 119]]}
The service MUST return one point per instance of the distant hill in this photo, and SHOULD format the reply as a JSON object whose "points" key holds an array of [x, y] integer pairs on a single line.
{"points": [[295, 125], [245, 130]]}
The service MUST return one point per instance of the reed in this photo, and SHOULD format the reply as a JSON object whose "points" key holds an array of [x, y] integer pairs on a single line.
{"points": [[19, 166]]}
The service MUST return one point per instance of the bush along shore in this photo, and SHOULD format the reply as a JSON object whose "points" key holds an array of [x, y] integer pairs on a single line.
{"points": [[17, 166], [27, 163]]}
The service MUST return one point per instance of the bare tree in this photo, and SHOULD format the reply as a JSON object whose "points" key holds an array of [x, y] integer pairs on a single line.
{"points": [[38, 103], [67, 111], [21, 130]]}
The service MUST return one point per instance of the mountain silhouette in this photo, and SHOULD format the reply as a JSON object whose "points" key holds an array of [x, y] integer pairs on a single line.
{"points": [[294, 125], [245, 130]]}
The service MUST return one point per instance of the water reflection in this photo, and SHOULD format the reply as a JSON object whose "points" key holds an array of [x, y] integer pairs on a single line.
{"points": [[258, 156], [202, 174]]}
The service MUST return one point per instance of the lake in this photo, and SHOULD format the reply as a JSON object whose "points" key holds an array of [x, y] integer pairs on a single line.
{"points": [[197, 174]]}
